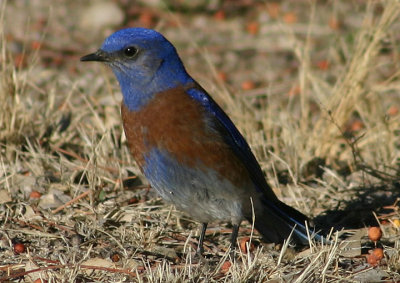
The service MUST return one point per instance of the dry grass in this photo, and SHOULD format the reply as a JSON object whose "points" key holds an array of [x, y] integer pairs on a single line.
{"points": [[323, 119]]}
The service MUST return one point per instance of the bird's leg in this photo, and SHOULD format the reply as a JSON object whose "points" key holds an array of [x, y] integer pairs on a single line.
{"points": [[235, 232], [200, 248]]}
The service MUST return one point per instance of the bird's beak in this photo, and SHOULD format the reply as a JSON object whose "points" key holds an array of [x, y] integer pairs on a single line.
{"points": [[99, 55]]}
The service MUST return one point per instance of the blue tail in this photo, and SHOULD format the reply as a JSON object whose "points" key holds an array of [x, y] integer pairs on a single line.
{"points": [[276, 221]]}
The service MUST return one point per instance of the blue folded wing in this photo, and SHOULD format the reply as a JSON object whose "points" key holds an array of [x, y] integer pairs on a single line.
{"points": [[234, 139]]}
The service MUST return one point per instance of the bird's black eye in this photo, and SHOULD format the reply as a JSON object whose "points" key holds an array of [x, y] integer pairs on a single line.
{"points": [[130, 51]]}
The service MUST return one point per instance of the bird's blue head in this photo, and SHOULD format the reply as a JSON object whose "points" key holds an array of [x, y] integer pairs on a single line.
{"points": [[144, 62]]}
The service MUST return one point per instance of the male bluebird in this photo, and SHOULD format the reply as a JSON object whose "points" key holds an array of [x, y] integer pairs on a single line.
{"points": [[187, 147]]}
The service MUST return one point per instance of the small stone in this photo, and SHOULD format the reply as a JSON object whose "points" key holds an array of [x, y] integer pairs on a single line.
{"points": [[4, 196], [100, 15]]}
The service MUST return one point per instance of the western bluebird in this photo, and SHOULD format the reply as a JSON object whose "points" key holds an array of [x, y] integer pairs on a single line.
{"points": [[186, 146]]}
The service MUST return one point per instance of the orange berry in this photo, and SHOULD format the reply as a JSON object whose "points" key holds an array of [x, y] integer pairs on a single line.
{"points": [[248, 85], [385, 222], [115, 257], [393, 110], [133, 200], [222, 76], [356, 125], [146, 18], [19, 248], [372, 260], [243, 245], [374, 233], [226, 266], [35, 195], [378, 253], [220, 15], [334, 23], [253, 28], [295, 90], [273, 9], [36, 45], [290, 18], [375, 256], [323, 65]]}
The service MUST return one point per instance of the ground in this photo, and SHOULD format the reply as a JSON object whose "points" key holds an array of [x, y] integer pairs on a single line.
{"points": [[314, 86]]}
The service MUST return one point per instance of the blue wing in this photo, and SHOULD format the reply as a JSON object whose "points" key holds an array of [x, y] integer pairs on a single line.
{"points": [[234, 138]]}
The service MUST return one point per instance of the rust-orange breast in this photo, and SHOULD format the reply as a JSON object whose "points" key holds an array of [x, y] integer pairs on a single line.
{"points": [[175, 122]]}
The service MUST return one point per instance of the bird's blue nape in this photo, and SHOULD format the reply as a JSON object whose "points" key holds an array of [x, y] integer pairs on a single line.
{"points": [[155, 68]]}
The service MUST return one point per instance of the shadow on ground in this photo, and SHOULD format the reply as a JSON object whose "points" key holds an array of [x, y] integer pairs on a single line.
{"points": [[359, 211]]}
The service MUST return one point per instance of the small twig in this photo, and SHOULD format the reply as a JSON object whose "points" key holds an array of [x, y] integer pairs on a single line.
{"points": [[359, 272], [24, 223], [84, 160], [394, 205], [71, 201], [10, 266], [46, 260]]}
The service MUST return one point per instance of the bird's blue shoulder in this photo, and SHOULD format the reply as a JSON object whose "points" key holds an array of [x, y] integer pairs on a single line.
{"points": [[212, 107]]}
